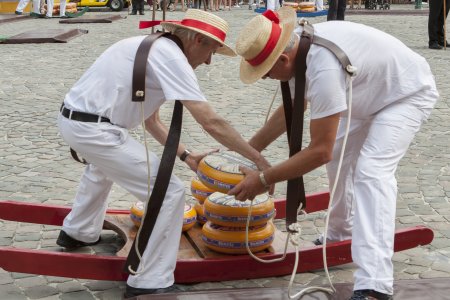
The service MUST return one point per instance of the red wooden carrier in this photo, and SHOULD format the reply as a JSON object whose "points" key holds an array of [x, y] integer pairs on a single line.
{"points": [[195, 263]]}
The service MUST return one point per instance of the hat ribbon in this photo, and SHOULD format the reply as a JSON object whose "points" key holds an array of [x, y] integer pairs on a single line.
{"points": [[271, 41], [220, 34]]}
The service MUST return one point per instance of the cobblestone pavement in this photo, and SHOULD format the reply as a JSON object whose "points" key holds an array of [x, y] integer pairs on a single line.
{"points": [[35, 165]]}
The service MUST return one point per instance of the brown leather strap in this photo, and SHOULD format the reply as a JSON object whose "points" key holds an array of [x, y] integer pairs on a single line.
{"points": [[159, 189], [294, 125], [167, 159], [140, 67], [140, 63], [335, 49], [75, 157]]}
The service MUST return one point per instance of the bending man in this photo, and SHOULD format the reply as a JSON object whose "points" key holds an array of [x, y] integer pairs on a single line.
{"points": [[104, 92], [393, 95]]}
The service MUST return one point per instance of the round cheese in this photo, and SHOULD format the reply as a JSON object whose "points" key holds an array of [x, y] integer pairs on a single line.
{"points": [[189, 218], [231, 240], [220, 171], [200, 213], [199, 190], [225, 210]]}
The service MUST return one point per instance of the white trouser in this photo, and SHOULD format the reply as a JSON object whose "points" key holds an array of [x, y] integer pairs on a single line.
{"points": [[273, 4], [62, 8], [114, 156], [319, 5], [364, 203], [23, 3]]}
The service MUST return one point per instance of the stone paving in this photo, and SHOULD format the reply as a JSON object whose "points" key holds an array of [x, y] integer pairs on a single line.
{"points": [[35, 165]]}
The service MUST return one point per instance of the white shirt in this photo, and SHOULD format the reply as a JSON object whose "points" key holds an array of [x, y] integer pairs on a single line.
{"points": [[387, 72], [105, 88]]}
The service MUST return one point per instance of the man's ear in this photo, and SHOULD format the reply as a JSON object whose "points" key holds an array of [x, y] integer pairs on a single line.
{"points": [[283, 59]]}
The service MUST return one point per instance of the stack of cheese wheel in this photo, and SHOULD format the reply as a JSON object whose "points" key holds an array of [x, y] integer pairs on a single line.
{"points": [[200, 192], [227, 217], [189, 218], [294, 5], [306, 7], [71, 7]]}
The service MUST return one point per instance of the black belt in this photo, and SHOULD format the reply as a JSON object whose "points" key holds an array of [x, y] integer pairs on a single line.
{"points": [[82, 117]]}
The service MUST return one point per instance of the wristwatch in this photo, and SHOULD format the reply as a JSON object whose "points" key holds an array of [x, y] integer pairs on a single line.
{"points": [[184, 154]]}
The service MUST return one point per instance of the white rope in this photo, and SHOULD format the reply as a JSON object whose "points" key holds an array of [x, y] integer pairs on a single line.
{"points": [[136, 247], [341, 158], [271, 104]]}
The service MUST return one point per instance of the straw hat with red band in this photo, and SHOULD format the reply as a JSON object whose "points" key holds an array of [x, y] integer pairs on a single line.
{"points": [[262, 41], [200, 21]]}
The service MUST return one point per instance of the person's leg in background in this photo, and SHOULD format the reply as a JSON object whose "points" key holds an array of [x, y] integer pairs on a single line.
{"points": [[49, 13], [62, 8], [342, 5]]}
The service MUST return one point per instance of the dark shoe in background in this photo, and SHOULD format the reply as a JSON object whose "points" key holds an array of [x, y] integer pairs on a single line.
{"points": [[317, 242], [17, 12], [141, 13], [64, 240], [133, 13], [369, 295], [441, 43], [434, 45], [134, 292]]}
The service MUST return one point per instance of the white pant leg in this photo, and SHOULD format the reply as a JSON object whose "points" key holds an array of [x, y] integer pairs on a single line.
{"points": [[123, 160], [22, 4], [272, 4], [319, 5], [50, 8], [341, 210], [375, 192], [85, 220], [62, 8]]}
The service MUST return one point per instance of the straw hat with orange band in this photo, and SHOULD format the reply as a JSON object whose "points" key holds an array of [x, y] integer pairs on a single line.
{"points": [[200, 21], [262, 41]]}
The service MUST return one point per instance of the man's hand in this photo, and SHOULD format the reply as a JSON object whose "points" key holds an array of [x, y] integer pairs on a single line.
{"points": [[193, 159], [250, 186]]}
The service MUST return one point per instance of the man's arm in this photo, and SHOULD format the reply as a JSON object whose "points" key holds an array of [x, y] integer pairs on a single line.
{"points": [[223, 132], [319, 152], [160, 132]]}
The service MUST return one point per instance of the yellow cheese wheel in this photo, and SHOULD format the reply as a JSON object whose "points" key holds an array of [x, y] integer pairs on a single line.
{"points": [[225, 210], [231, 240], [190, 217], [306, 4], [307, 9], [291, 4], [199, 190], [220, 171], [136, 213], [200, 213]]}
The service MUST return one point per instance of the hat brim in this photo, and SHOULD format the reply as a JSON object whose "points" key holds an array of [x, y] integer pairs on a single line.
{"points": [[250, 74], [224, 49]]}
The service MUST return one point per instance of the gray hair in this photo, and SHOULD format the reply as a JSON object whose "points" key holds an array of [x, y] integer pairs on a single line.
{"points": [[290, 45], [186, 34]]}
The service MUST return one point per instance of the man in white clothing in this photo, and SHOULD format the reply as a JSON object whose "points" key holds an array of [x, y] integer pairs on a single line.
{"points": [[104, 92], [23, 3], [393, 94]]}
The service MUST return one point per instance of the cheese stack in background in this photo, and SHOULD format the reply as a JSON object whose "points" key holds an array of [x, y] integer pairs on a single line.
{"points": [[304, 6], [226, 217]]}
